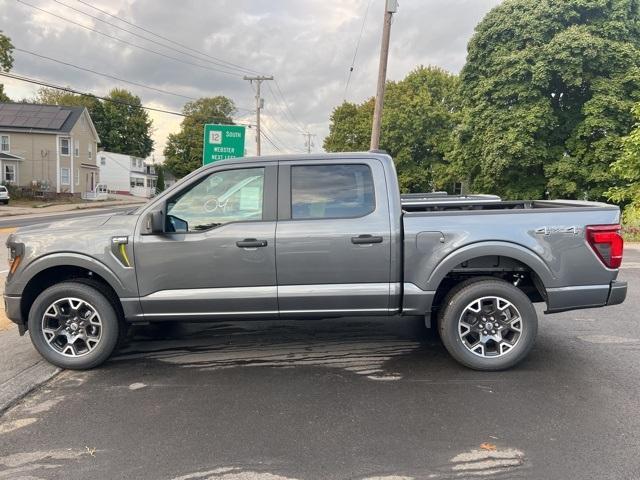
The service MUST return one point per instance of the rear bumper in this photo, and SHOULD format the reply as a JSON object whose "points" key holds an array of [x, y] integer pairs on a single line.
{"points": [[617, 292], [14, 312], [585, 296]]}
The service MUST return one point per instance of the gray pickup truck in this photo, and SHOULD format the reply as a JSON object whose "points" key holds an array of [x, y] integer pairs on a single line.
{"points": [[297, 237]]}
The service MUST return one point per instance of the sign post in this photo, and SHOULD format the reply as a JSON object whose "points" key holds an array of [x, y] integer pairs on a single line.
{"points": [[222, 141]]}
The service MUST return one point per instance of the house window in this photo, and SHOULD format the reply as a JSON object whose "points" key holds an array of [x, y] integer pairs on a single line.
{"points": [[133, 163], [64, 176], [103, 161], [65, 146], [4, 143], [77, 176], [90, 153], [10, 173], [76, 148]]}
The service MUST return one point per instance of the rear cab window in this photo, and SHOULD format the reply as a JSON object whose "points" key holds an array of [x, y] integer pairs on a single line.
{"points": [[331, 191]]}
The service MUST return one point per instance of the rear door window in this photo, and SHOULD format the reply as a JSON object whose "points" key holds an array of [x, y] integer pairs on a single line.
{"points": [[331, 191]]}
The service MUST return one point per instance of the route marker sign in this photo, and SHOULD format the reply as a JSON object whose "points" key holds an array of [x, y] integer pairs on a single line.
{"points": [[222, 141]]}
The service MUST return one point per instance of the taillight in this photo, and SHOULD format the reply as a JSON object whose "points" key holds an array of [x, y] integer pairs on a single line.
{"points": [[607, 243]]}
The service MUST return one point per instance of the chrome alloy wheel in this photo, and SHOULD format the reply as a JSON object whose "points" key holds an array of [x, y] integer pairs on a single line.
{"points": [[490, 327], [72, 327]]}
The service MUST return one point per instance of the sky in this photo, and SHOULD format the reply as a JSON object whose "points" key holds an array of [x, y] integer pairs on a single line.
{"points": [[204, 48]]}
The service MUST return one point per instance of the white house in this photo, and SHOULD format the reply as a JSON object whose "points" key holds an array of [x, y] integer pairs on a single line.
{"points": [[126, 174]]}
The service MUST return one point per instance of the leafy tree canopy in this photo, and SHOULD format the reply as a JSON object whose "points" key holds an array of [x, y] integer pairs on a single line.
{"points": [[627, 192], [420, 114], [53, 96], [183, 153], [123, 126], [6, 61], [547, 93]]}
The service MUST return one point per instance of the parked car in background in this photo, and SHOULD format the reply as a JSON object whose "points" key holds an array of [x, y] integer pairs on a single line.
{"points": [[313, 236], [4, 195]]}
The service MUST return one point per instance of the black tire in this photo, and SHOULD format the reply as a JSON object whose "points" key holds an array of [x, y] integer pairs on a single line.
{"points": [[463, 295], [110, 328]]}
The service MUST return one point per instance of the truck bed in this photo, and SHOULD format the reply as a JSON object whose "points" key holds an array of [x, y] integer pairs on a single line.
{"points": [[436, 202]]}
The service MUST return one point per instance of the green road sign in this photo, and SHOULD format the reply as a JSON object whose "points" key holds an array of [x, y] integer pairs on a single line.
{"points": [[222, 141]]}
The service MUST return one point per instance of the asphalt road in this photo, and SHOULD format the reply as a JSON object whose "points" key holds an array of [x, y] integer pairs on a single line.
{"points": [[340, 399], [21, 221]]}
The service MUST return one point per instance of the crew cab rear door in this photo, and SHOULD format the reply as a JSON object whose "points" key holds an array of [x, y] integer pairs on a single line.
{"points": [[333, 238]]}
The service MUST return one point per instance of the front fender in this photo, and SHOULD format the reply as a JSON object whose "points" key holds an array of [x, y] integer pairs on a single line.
{"points": [[61, 259], [495, 248]]}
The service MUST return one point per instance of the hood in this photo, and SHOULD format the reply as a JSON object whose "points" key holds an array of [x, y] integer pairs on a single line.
{"points": [[90, 222]]}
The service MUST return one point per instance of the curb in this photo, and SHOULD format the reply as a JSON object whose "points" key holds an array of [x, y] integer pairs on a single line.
{"points": [[12, 391], [74, 209]]}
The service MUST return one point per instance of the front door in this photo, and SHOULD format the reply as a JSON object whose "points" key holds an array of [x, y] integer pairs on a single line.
{"points": [[217, 257], [333, 240]]}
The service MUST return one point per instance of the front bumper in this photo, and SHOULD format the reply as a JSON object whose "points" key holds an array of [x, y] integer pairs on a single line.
{"points": [[617, 292], [14, 312]]}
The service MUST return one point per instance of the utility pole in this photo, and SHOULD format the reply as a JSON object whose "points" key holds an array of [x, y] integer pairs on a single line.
{"points": [[259, 104], [391, 7], [308, 142]]}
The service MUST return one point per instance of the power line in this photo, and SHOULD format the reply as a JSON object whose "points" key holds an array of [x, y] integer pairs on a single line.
{"points": [[239, 67], [98, 97], [146, 38], [355, 53], [234, 74], [270, 141], [295, 120], [287, 116], [284, 145], [103, 74], [72, 65]]}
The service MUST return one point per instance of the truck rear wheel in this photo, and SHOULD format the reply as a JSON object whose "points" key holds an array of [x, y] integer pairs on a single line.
{"points": [[74, 326], [488, 324]]}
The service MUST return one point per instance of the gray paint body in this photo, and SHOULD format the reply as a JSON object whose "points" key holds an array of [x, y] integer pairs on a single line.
{"points": [[310, 268]]}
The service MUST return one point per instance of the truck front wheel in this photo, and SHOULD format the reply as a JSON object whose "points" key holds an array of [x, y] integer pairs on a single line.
{"points": [[73, 325], [488, 325]]}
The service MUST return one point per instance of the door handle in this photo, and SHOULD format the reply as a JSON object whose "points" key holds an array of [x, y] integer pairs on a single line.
{"points": [[251, 243], [365, 239]]}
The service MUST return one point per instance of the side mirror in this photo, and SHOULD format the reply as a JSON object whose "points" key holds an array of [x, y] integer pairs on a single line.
{"points": [[154, 222]]}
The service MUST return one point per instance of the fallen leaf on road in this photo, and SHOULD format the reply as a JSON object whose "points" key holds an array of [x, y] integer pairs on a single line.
{"points": [[488, 446]]}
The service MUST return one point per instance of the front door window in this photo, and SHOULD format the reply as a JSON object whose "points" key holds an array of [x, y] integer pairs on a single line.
{"points": [[222, 197]]}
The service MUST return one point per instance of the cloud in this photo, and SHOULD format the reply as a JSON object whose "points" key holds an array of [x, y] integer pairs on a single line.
{"points": [[307, 45]]}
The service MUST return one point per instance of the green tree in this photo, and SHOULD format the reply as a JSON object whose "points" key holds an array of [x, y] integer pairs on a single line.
{"points": [[160, 180], [53, 96], [123, 126], [420, 113], [627, 192], [183, 152], [547, 92], [6, 61]]}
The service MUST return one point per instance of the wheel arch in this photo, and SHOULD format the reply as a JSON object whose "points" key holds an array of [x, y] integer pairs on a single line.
{"points": [[56, 268], [491, 249], [512, 259]]}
